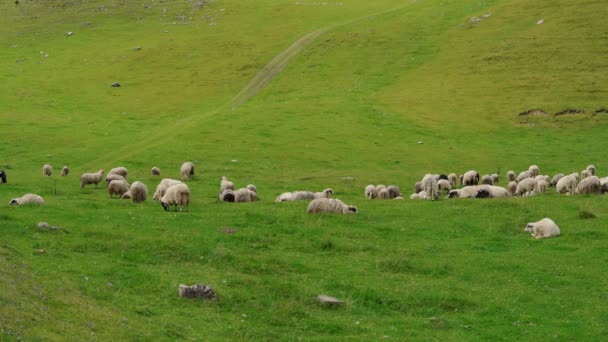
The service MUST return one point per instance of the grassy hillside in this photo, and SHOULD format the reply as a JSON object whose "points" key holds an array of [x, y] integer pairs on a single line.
{"points": [[332, 94]]}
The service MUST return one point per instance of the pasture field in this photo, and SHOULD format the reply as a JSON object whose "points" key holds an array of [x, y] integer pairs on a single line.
{"points": [[301, 95]]}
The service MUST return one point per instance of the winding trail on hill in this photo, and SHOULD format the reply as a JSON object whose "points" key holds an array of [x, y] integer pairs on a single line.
{"points": [[261, 79]]}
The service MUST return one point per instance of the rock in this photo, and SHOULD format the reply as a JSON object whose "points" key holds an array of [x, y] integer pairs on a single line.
{"points": [[540, 22], [197, 291], [46, 225], [115, 84], [69, 33], [325, 299], [420, 142]]}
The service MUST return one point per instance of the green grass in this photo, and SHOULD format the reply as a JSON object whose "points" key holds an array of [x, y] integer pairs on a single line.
{"points": [[345, 112]]}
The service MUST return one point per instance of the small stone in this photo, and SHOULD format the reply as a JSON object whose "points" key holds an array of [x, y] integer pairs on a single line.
{"points": [[115, 85], [235, 161], [540, 22], [197, 291], [325, 299], [420, 142], [69, 33]]}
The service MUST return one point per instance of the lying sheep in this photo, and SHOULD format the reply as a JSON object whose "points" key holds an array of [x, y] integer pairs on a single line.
{"points": [[139, 192], [114, 176], [589, 185], [525, 186], [225, 184], [303, 195], [591, 169], [228, 195], [65, 171], [163, 186], [511, 176], [512, 187], [444, 186], [155, 171], [121, 170], [384, 194], [541, 186], [187, 170], [534, 169], [2, 177], [91, 178], [414, 196], [585, 173], [556, 179], [47, 170], [330, 205], [429, 183], [422, 195], [254, 189], [380, 187], [452, 178], [117, 187], [491, 191], [495, 178], [177, 195], [393, 191], [27, 199], [470, 178], [245, 195], [370, 192], [466, 192], [567, 184], [486, 179], [544, 228]]}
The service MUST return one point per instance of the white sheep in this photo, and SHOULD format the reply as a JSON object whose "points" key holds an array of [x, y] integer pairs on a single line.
{"points": [[429, 183], [444, 185], [178, 195], [187, 170], [591, 169], [47, 170], [604, 183], [466, 192], [544, 228], [414, 196], [541, 186], [225, 184], [65, 171], [524, 174], [117, 187], [155, 171], [470, 178], [245, 195], [27, 199], [495, 178], [543, 177], [286, 196], [534, 169], [491, 191], [163, 186], [511, 187], [525, 186], [325, 193], [589, 185], [511, 176], [139, 192], [384, 194], [228, 195], [486, 179], [418, 187], [567, 184], [393, 191], [370, 192], [422, 195], [91, 178], [380, 187], [452, 178], [121, 170], [556, 179], [330, 205], [585, 173], [114, 176]]}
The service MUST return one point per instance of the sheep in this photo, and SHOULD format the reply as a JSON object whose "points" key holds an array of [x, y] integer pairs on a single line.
{"points": [[604, 183], [163, 186], [47, 170], [491, 191], [495, 178], [591, 169], [384, 194], [225, 184], [245, 195], [541, 186], [27, 199], [330, 205], [114, 176], [585, 173], [470, 178], [380, 187], [228, 195], [512, 187], [556, 179], [486, 179], [370, 192], [544, 228], [65, 171], [117, 187], [430, 186], [255, 189], [466, 192], [121, 170], [139, 192], [422, 195], [393, 191], [443, 184], [524, 174], [286, 196], [511, 176], [178, 195], [126, 195], [187, 170], [414, 196], [567, 184], [589, 185], [2, 177], [534, 169], [303, 195], [418, 187], [398, 198], [452, 178], [91, 178], [323, 194], [155, 171], [525, 186], [543, 177]]}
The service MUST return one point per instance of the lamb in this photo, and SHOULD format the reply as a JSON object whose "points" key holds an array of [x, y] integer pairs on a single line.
{"points": [[491, 191], [121, 170], [27, 199], [525, 186], [511, 176], [370, 192], [534, 170], [495, 178], [452, 178], [443, 184], [585, 173], [228, 195], [543, 177], [2, 177], [187, 170], [512, 187], [393, 191], [225, 184], [541, 186], [604, 183], [524, 174], [544, 228], [591, 169], [178, 195], [65, 171], [323, 194], [117, 187], [139, 192], [556, 179], [163, 186], [589, 185], [418, 187], [567, 184], [384, 194], [91, 178], [429, 183], [470, 178], [245, 195], [114, 176], [486, 179], [330, 205], [47, 170], [155, 171]]}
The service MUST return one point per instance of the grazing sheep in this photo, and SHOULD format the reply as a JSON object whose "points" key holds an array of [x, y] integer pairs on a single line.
{"points": [[534, 169], [443, 184], [556, 179], [245, 195], [461, 179], [27, 199], [525, 186], [393, 191], [2, 177], [47, 170], [65, 171], [178, 195], [470, 178], [187, 170], [466, 192], [491, 191], [604, 183], [452, 178], [384, 194], [543, 177], [117, 187], [544, 228], [429, 183], [511, 187], [541, 186], [225, 184], [228, 195], [591, 169], [370, 192], [511, 176], [91, 178], [139, 192], [121, 170], [524, 174], [589, 185], [163, 186], [567, 184], [114, 176], [585, 173], [380, 187], [495, 178], [418, 187], [486, 179], [155, 171], [330, 205], [126, 195]]}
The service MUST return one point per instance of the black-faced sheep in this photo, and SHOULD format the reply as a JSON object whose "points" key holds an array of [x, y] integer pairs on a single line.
{"points": [[556, 179], [466, 192], [491, 191], [525, 186], [470, 178], [370, 192], [27, 199], [47, 170], [2, 177], [393, 191], [91, 178], [429, 183], [65, 171], [589, 185], [155, 171], [117, 187], [225, 184], [228, 195], [177, 195], [511, 176], [121, 170], [567, 184], [187, 170], [139, 192], [330, 205], [163, 186], [444, 186], [544, 228]]}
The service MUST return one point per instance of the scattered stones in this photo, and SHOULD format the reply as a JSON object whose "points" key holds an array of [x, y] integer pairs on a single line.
{"points": [[46, 225], [199, 291], [570, 111], [325, 299], [540, 22], [115, 85], [601, 110], [533, 112]]}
